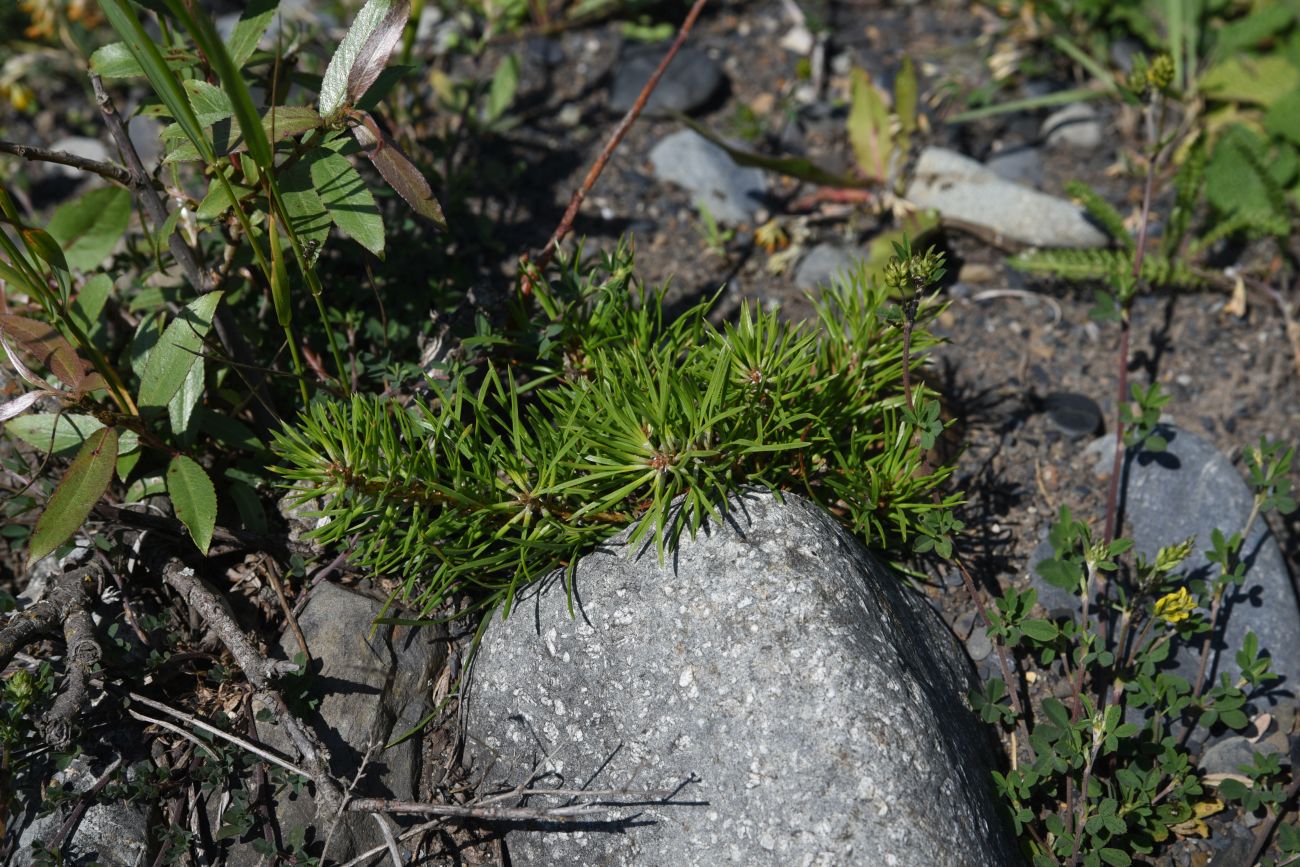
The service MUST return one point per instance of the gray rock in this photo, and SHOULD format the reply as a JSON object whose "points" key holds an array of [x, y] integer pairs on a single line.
{"points": [[371, 689], [963, 189], [808, 708], [1075, 415], [1230, 754], [1024, 165], [113, 835], [979, 645], [732, 193], [78, 145], [691, 80], [146, 136], [1189, 491], [1076, 126], [823, 266]]}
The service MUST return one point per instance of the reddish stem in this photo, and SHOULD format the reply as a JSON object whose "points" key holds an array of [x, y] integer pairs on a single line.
{"points": [[571, 213]]}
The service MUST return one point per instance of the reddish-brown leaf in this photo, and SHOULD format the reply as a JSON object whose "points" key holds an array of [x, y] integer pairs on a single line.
{"points": [[400, 173], [52, 350]]}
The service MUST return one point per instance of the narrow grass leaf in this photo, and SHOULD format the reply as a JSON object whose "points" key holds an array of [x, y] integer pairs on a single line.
{"points": [[350, 204], [794, 167], [87, 229], [177, 351], [194, 497], [84, 483], [164, 81]]}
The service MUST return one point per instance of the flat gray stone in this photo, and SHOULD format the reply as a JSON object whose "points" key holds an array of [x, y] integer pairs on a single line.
{"points": [[732, 193], [1024, 165], [807, 706], [1076, 126], [689, 83], [370, 688], [823, 265], [1230, 754], [113, 834], [1189, 491], [961, 188]]}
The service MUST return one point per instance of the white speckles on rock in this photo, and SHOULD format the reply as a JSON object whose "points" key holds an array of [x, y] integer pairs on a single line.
{"points": [[824, 704]]}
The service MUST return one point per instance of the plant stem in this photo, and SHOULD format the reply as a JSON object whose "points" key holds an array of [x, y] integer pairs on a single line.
{"points": [[106, 170], [570, 213]]}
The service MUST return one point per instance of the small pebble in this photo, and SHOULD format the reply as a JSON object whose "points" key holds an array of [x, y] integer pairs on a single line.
{"points": [[1076, 415], [979, 645]]}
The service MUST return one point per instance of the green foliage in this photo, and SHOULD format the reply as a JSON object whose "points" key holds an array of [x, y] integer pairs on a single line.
{"points": [[1108, 266], [1107, 778], [594, 413]]}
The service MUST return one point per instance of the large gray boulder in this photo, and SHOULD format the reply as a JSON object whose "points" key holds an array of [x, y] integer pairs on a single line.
{"points": [[807, 707]]}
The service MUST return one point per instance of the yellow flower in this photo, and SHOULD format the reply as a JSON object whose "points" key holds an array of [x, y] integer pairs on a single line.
{"points": [[1175, 607]]}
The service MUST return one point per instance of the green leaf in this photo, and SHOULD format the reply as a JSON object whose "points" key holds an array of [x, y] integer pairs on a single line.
{"points": [[362, 54], [505, 84], [89, 303], [1040, 630], [194, 497], [53, 432], [43, 245], [349, 202], [177, 351], [217, 201], [1255, 80], [248, 31], [165, 84], [181, 407], [209, 102], [1283, 117], [116, 61], [88, 228], [84, 483], [302, 204], [869, 126]]}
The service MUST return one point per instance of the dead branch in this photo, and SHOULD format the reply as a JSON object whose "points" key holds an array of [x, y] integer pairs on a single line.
{"points": [[106, 170]]}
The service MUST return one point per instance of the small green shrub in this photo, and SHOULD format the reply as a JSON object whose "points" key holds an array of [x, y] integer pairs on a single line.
{"points": [[593, 411]]}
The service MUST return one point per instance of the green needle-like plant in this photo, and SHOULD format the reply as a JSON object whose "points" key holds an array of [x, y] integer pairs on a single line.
{"points": [[593, 413]]}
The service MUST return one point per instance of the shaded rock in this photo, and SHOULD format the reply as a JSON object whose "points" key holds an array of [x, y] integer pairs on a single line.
{"points": [[1230, 754], [113, 835], [823, 265], [1024, 165], [371, 690], [963, 189], [1075, 126], [807, 706], [1190, 490], [690, 82], [1075, 415], [732, 193], [78, 145], [146, 137]]}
